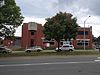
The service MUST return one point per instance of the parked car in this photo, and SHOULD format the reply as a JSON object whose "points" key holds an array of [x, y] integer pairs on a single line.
{"points": [[66, 48], [5, 50], [32, 49], [98, 47]]}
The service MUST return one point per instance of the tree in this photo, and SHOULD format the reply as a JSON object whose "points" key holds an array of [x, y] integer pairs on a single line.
{"points": [[61, 26], [10, 18], [98, 40]]}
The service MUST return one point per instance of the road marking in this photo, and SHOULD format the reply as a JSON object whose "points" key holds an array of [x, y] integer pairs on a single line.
{"points": [[52, 63], [96, 60]]}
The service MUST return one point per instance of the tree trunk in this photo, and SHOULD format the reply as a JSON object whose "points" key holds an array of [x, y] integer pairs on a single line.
{"points": [[58, 41]]}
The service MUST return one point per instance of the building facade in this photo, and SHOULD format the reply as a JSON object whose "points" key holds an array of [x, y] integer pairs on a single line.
{"points": [[11, 43], [32, 35], [80, 40]]}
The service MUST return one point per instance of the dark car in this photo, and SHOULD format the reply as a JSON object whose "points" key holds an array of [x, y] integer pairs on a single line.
{"points": [[5, 50]]}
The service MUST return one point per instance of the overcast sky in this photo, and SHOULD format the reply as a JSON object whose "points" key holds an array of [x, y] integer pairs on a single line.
{"points": [[38, 10]]}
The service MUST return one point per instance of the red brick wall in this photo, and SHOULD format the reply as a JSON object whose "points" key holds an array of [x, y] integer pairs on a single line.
{"points": [[26, 36], [89, 36], [38, 35]]}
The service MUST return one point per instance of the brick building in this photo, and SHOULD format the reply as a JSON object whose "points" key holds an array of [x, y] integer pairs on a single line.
{"points": [[11, 43], [6, 42], [79, 41], [32, 35]]}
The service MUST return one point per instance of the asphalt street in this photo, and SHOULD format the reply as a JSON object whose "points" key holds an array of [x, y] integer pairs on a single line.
{"points": [[50, 65]]}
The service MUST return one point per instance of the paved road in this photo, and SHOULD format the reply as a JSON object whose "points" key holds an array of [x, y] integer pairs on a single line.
{"points": [[53, 65]]}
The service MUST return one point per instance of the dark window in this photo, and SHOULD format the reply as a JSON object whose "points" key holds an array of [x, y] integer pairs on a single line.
{"points": [[65, 46], [32, 32], [82, 32], [52, 43], [2, 48], [81, 43], [32, 42], [86, 32]]}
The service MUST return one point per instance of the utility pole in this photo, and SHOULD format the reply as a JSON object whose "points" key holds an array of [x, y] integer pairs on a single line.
{"points": [[84, 30]]}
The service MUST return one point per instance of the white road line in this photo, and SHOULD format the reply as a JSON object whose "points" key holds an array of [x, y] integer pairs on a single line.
{"points": [[52, 63], [96, 60]]}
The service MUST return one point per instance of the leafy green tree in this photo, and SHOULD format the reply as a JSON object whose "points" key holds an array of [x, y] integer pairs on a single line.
{"points": [[10, 18], [61, 26], [98, 40]]}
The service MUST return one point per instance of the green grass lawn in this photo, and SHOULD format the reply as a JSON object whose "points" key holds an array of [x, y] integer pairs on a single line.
{"points": [[51, 53]]}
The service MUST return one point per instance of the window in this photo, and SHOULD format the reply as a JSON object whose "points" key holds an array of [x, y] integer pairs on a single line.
{"points": [[82, 32], [86, 32], [66, 46], [52, 43], [32, 42], [81, 43], [32, 32]]}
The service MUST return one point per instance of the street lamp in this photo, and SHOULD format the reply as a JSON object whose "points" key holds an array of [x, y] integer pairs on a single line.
{"points": [[84, 30]]}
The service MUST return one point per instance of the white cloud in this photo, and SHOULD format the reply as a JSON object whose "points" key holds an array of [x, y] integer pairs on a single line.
{"points": [[34, 19], [29, 19], [38, 10], [18, 31]]}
